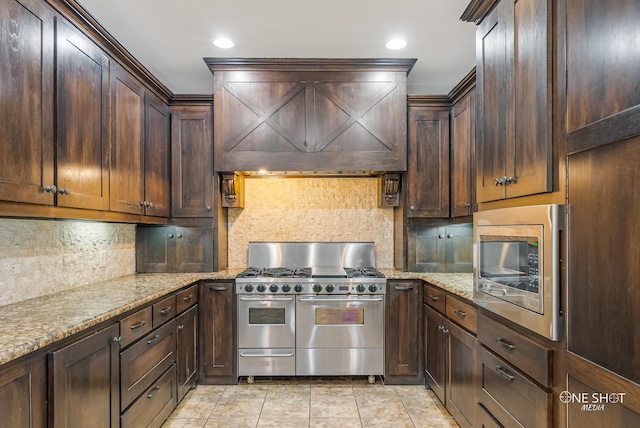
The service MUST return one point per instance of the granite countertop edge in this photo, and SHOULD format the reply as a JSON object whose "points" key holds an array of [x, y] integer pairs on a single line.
{"points": [[33, 324]]}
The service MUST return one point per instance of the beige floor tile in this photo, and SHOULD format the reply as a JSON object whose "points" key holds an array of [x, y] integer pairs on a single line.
{"points": [[332, 391], [334, 407], [289, 391], [334, 423], [381, 408], [288, 408], [193, 409], [374, 391], [184, 423], [231, 423], [246, 391], [387, 423], [283, 423], [411, 390], [238, 408], [435, 422]]}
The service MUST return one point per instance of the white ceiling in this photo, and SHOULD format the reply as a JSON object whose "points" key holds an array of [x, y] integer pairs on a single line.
{"points": [[170, 38]]}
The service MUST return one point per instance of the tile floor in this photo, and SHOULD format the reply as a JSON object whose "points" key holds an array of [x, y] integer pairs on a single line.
{"points": [[310, 402]]}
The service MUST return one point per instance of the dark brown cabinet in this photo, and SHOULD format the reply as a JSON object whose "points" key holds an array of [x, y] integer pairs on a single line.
{"points": [[427, 189], [310, 115], [403, 344], [23, 393], [187, 350], [192, 161], [27, 151], [440, 249], [170, 248], [514, 132], [157, 146], [463, 130], [218, 343], [82, 100], [84, 381], [450, 353]]}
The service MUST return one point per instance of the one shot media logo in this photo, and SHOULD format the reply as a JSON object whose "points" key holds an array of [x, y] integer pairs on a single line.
{"points": [[592, 402]]}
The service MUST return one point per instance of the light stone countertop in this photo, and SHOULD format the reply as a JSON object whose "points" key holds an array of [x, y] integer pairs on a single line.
{"points": [[33, 324]]}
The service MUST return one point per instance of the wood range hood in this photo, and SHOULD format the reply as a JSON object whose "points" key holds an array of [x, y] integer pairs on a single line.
{"points": [[310, 117]]}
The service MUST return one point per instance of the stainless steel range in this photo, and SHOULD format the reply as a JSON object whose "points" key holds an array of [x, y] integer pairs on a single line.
{"points": [[312, 308]]}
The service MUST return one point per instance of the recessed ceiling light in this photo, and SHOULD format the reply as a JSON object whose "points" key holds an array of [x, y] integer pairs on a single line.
{"points": [[223, 43], [395, 44]]}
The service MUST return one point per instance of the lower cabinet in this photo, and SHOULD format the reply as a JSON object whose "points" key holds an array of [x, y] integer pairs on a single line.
{"points": [[218, 342], [450, 353], [84, 379], [403, 344], [187, 351], [23, 393], [155, 404]]}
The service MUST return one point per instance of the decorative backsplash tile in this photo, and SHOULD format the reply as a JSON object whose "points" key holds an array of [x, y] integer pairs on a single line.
{"points": [[40, 257], [311, 209]]}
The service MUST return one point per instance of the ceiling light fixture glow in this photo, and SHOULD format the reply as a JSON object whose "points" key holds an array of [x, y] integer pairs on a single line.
{"points": [[223, 43], [396, 44]]}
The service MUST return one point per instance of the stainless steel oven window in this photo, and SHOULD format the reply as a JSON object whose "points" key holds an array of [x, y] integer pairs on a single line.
{"points": [[267, 316]]}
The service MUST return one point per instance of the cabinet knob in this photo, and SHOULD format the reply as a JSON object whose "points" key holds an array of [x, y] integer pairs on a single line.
{"points": [[450, 235], [117, 339], [440, 236], [63, 191], [170, 235], [499, 181], [208, 207], [181, 327], [412, 207], [510, 180], [52, 189], [143, 203], [179, 235], [467, 205]]}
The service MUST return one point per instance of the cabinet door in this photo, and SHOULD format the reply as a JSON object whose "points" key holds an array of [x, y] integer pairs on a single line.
{"points": [[127, 115], [426, 249], [458, 248], [462, 148], [493, 96], [192, 162], [82, 146], [187, 351], [84, 382], [435, 352], [428, 168], [461, 383], [402, 344], [155, 249], [194, 249], [23, 394], [218, 364], [26, 110], [157, 190]]}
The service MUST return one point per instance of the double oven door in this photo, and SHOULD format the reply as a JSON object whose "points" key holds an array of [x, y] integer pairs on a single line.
{"points": [[339, 335], [266, 335]]}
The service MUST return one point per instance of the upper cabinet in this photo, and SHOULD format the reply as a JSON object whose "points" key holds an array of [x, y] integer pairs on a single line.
{"points": [[310, 115], [428, 153], [157, 146], [514, 100], [462, 153]]}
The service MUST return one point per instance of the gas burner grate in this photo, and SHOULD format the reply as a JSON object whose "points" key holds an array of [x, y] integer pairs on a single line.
{"points": [[363, 272]]}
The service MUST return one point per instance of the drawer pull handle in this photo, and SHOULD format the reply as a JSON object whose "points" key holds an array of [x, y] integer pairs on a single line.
{"points": [[150, 395], [153, 339], [433, 298], [402, 288], [504, 373], [460, 313], [139, 325], [505, 344], [165, 311], [187, 298], [219, 288]]}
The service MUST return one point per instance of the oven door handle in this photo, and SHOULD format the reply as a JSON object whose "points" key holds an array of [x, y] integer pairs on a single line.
{"points": [[253, 354], [265, 299], [352, 299]]}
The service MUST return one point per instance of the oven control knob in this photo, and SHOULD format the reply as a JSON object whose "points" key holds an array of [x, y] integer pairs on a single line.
{"points": [[361, 288], [373, 288], [273, 288], [286, 288], [261, 288], [298, 288], [317, 288], [248, 288], [329, 288]]}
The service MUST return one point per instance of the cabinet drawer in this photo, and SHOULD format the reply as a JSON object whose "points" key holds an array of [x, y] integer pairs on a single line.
{"points": [[145, 360], [164, 310], [434, 297], [186, 298], [135, 326], [462, 313], [153, 407], [510, 397], [522, 352]]}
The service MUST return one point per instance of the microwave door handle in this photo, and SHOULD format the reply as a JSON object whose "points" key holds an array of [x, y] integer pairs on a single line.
{"points": [[498, 293]]}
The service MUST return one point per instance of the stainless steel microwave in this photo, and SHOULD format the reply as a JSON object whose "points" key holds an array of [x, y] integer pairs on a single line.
{"points": [[516, 266]]}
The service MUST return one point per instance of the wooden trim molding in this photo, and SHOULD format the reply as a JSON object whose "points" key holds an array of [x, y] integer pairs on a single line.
{"points": [[301, 64], [466, 85], [435, 101], [477, 10]]}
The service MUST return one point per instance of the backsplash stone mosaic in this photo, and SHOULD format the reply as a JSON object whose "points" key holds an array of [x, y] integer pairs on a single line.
{"points": [[311, 209], [40, 257]]}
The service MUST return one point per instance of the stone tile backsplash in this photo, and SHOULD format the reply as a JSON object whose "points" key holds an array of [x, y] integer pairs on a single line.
{"points": [[40, 257], [311, 209]]}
